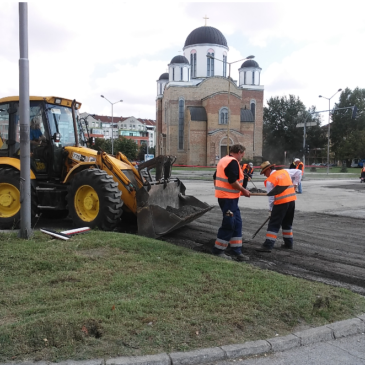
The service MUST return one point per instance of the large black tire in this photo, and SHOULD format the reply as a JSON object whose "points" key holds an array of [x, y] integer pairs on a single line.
{"points": [[94, 200], [10, 199]]}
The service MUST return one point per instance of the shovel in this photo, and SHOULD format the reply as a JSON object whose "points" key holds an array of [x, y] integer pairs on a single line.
{"points": [[276, 191], [253, 236]]}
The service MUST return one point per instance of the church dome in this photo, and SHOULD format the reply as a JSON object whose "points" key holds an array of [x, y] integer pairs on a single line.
{"points": [[179, 59], [250, 63], [206, 35], [164, 76]]}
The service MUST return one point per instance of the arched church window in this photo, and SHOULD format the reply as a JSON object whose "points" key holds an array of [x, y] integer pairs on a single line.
{"points": [[253, 77], [253, 108], [224, 66], [210, 63], [193, 63], [181, 73], [181, 123], [223, 116]]}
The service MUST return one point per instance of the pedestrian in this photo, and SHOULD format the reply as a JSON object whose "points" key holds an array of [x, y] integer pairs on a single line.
{"points": [[281, 205], [299, 166], [228, 180], [292, 165], [247, 169]]}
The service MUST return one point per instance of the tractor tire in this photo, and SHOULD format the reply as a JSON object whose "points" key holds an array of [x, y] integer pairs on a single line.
{"points": [[94, 200], [10, 199]]}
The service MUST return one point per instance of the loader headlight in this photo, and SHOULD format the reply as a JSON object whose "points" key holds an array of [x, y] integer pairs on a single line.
{"points": [[58, 101]]}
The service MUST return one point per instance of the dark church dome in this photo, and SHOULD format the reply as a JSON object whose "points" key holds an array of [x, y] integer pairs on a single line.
{"points": [[164, 76], [179, 59], [250, 63], [206, 35]]}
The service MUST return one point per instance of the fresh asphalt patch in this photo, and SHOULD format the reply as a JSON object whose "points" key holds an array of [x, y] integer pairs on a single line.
{"points": [[327, 248]]}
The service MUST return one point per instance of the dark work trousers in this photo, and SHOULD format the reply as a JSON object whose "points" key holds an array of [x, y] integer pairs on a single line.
{"points": [[282, 215], [245, 181], [230, 232]]}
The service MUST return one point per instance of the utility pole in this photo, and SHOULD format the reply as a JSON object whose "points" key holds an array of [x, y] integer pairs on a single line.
{"points": [[25, 190]]}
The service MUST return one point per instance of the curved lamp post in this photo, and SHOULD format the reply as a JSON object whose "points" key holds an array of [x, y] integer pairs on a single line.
{"points": [[329, 128], [112, 104], [229, 89]]}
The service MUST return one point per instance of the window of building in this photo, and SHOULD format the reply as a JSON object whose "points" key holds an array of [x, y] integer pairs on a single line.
{"points": [[181, 73], [173, 74], [193, 63], [244, 77], [181, 123], [210, 64], [224, 66], [253, 77], [223, 115], [253, 108]]}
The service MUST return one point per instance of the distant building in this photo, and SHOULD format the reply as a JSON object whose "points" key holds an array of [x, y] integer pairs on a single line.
{"points": [[195, 98], [142, 131]]}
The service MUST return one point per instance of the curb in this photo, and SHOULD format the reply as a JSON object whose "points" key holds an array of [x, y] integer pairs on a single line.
{"points": [[328, 332]]}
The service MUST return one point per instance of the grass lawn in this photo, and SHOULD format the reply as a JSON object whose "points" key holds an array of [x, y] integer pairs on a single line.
{"points": [[105, 294]]}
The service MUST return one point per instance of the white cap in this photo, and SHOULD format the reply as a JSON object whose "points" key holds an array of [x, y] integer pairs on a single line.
{"points": [[296, 159], [250, 163]]}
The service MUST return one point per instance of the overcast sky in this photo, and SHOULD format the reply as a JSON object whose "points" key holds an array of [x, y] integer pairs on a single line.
{"points": [[83, 49]]}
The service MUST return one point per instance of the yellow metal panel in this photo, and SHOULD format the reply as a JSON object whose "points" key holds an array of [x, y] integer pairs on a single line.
{"points": [[48, 99], [15, 163]]}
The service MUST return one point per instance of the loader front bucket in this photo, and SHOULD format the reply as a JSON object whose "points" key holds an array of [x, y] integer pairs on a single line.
{"points": [[165, 207]]}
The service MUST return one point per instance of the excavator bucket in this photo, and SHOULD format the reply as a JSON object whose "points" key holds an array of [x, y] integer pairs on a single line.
{"points": [[162, 205]]}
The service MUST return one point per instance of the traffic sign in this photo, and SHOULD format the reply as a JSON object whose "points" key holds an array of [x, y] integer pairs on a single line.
{"points": [[308, 124]]}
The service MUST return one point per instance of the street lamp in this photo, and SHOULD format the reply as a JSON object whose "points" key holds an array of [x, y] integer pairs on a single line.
{"points": [[329, 128], [112, 104], [229, 89]]}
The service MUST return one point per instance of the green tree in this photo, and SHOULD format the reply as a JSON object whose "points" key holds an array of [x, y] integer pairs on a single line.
{"points": [[280, 132], [347, 134], [143, 150], [124, 145]]}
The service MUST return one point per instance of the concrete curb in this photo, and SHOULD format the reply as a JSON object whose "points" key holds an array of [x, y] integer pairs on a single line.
{"points": [[328, 332]]}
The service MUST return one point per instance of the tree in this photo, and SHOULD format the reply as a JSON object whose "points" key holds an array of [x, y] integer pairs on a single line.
{"points": [[280, 132], [143, 150], [347, 134], [126, 146]]}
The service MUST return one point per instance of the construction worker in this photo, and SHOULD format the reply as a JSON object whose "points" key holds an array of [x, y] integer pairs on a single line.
{"points": [[281, 205], [300, 166], [247, 169], [362, 177], [228, 181]]}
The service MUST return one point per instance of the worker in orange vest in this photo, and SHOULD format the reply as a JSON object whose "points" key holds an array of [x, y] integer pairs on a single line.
{"points": [[228, 181], [247, 169], [299, 166], [282, 205], [362, 177]]}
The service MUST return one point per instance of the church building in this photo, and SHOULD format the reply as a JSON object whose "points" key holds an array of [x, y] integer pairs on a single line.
{"points": [[200, 108]]}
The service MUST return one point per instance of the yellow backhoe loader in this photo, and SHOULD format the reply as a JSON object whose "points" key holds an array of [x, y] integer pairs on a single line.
{"points": [[92, 187]]}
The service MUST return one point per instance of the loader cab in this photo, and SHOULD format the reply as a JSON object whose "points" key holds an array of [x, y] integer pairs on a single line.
{"points": [[51, 129]]}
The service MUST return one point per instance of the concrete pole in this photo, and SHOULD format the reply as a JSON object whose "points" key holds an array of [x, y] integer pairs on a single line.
{"points": [[25, 190]]}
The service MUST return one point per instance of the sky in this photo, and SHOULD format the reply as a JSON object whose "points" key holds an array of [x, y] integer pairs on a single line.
{"points": [[83, 49]]}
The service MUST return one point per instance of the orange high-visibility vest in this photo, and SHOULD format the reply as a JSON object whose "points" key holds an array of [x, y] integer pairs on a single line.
{"points": [[223, 189], [248, 168], [300, 163], [282, 178]]}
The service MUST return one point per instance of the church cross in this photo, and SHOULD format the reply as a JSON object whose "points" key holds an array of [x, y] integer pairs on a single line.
{"points": [[205, 19]]}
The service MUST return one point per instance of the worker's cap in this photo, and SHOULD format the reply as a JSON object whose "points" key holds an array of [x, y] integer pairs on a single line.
{"points": [[250, 163], [265, 165], [296, 159]]}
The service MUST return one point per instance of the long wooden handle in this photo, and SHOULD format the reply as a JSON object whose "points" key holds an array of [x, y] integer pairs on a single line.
{"points": [[258, 194]]}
